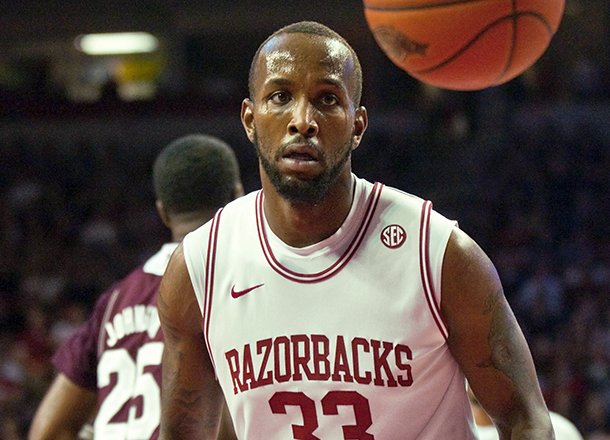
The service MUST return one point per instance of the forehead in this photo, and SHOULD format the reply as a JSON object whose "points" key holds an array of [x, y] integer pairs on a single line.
{"points": [[304, 55]]}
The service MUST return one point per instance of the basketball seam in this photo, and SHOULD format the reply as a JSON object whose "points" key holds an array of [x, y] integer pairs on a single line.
{"points": [[513, 42], [464, 48], [420, 6]]}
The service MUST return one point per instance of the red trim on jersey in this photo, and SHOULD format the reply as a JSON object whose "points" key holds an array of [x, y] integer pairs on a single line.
{"points": [[335, 267], [209, 281], [424, 267]]}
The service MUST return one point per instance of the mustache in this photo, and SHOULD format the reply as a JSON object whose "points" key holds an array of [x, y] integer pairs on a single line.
{"points": [[300, 141]]}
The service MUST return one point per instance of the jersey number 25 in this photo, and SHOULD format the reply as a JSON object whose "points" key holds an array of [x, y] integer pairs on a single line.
{"points": [[118, 417]]}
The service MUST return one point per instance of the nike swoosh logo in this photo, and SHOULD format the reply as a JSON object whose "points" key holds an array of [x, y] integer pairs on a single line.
{"points": [[238, 293]]}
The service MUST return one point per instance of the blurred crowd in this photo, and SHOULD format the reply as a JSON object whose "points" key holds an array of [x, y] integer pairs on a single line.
{"points": [[530, 181]]}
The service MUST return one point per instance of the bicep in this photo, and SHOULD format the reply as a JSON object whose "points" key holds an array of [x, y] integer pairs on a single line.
{"points": [[65, 408], [484, 336], [191, 399]]}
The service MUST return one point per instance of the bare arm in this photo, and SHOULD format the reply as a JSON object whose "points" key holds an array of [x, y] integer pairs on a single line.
{"points": [[226, 426], [191, 399], [65, 408], [487, 342]]}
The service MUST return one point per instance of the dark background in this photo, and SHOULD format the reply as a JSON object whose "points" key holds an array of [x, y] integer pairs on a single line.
{"points": [[524, 168]]}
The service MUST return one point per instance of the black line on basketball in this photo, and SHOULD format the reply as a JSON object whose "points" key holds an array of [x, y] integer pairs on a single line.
{"points": [[457, 54], [513, 43], [421, 5]]}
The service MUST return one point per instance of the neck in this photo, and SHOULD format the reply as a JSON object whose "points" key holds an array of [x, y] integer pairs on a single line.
{"points": [[182, 224], [301, 224]]}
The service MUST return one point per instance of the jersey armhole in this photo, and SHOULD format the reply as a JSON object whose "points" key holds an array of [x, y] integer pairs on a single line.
{"points": [[204, 285], [435, 231]]}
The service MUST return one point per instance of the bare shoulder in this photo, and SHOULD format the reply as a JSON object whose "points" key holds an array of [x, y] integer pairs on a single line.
{"points": [[177, 304], [471, 287], [466, 264], [176, 273], [473, 304]]}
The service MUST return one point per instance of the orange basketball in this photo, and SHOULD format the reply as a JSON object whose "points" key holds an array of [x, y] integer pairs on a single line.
{"points": [[463, 44]]}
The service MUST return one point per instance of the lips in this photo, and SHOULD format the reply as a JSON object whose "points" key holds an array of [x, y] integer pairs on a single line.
{"points": [[301, 152]]}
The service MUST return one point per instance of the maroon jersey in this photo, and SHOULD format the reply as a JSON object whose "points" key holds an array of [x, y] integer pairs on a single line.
{"points": [[117, 353]]}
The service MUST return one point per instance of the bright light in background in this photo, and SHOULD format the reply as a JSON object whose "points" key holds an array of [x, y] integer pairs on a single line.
{"points": [[116, 43]]}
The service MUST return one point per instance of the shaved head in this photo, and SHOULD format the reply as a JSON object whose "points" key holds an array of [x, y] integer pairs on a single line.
{"points": [[312, 28]]}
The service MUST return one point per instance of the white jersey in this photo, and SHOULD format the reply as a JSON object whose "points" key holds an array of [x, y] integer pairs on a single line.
{"points": [[342, 339], [564, 429]]}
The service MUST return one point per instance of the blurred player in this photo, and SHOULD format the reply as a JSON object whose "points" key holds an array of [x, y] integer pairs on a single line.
{"points": [[328, 307], [111, 368]]}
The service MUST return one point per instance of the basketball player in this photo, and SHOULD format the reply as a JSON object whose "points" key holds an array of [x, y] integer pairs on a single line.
{"points": [[111, 366], [325, 306]]}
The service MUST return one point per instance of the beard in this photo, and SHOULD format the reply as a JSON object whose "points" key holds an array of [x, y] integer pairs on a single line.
{"points": [[293, 188]]}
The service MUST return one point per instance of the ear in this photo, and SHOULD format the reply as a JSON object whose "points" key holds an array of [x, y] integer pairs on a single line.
{"points": [[162, 213], [360, 123], [238, 190], [247, 118]]}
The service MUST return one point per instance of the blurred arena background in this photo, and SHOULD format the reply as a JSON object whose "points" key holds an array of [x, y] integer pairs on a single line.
{"points": [[524, 168]]}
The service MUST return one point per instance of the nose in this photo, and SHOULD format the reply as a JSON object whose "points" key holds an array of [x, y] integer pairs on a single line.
{"points": [[303, 120]]}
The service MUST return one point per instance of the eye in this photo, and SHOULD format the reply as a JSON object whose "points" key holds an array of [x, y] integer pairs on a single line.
{"points": [[279, 97], [329, 99]]}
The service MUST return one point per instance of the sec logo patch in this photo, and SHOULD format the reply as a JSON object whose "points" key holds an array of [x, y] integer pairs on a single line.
{"points": [[393, 236]]}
